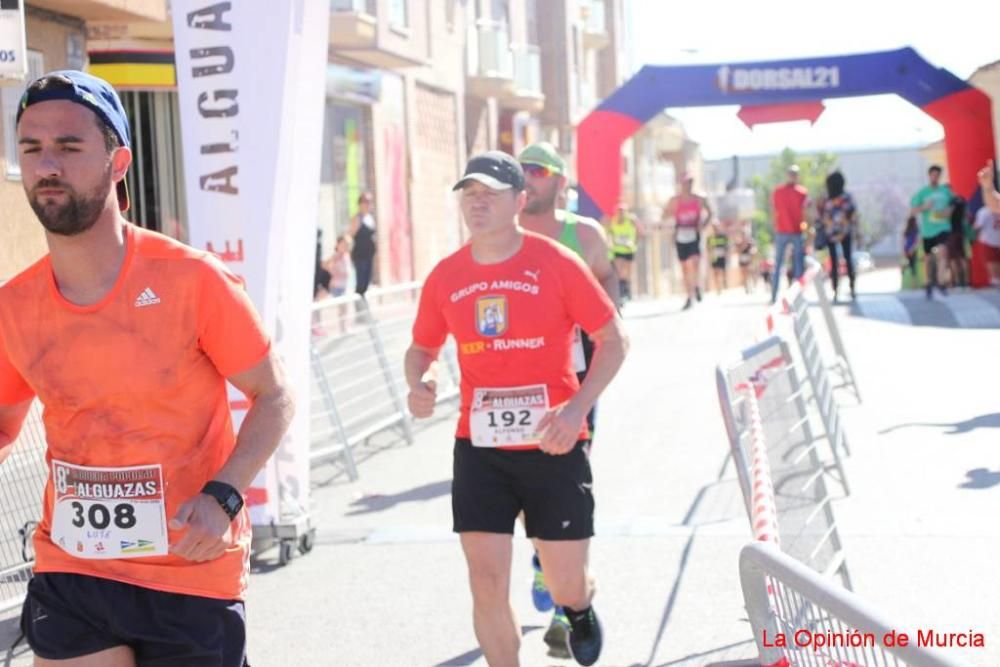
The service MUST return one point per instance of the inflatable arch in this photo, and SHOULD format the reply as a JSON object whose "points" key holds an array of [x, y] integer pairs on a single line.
{"points": [[964, 111]]}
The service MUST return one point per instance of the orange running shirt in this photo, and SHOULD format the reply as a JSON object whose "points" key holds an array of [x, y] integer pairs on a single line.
{"points": [[137, 379], [512, 321]]}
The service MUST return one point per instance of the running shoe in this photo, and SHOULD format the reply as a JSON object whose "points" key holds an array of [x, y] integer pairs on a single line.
{"points": [[688, 304], [585, 636], [540, 595], [557, 636], [697, 293]]}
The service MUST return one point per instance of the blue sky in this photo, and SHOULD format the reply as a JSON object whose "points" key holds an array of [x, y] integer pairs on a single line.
{"points": [[959, 35]]}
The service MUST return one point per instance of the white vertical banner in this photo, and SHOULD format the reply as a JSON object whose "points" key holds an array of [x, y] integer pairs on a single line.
{"points": [[13, 45], [251, 87]]}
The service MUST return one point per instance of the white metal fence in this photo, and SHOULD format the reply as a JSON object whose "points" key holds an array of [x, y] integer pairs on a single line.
{"points": [[22, 479], [807, 527], [822, 624], [359, 388]]}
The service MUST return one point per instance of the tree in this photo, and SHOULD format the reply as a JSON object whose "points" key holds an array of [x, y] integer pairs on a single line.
{"points": [[813, 170], [882, 210]]}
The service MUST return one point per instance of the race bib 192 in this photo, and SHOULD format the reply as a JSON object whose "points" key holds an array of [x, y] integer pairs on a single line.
{"points": [[508, 416], [109, 512]]}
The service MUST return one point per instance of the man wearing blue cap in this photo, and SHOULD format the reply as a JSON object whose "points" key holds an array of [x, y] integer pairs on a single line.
{"points": [[128, 338]]}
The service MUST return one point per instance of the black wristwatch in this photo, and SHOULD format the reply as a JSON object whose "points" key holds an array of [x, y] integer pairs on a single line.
{"points": [[228, 497]]}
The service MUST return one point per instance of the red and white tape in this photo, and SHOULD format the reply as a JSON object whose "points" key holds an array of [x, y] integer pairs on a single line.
{"points": [[764, 512]]}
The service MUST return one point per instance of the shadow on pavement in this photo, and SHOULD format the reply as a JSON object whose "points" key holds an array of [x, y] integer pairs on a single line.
{"points": [[378, 502], [957, 428], [723, 499], [470, 657], [332, 472], [732, 655], [961, 309], [980, 478]]}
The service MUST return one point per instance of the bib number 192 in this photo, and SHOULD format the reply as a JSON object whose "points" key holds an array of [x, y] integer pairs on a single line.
{"points": [[510, 417]]}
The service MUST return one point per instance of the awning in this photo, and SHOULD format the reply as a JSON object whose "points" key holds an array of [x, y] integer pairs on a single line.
{"points": [[131, 70]]}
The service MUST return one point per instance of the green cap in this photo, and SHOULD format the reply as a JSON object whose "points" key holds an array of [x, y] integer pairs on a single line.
{"points": [[545, 154]]}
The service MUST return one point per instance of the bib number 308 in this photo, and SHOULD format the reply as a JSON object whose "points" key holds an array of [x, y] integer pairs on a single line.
{"points": [[100, 517], [101, 513]]}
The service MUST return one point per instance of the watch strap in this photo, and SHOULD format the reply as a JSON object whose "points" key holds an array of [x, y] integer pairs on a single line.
{"points": [[228, 497]]}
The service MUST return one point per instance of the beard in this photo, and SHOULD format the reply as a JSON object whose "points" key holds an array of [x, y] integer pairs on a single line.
{"points": [[78, 214], [541, 202]]}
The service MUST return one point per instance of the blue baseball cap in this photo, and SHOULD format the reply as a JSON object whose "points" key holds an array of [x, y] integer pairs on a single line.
{"points": [[97, 95]]}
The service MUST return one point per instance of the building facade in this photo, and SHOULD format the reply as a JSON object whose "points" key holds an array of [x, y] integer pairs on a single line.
{"points": [[413, 87]]}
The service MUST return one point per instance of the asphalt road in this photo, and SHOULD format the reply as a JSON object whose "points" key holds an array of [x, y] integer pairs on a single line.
{"points": [[386, 582]]}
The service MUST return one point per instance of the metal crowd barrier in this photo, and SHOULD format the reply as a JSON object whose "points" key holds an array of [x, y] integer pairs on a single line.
{"points": [[22, 481], [821, 623], [794, 303], [358, 384], [815, 277], [778, 419], [812, 359], [842, 363]]}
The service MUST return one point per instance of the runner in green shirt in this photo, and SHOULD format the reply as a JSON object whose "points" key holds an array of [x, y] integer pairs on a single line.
{"points": [[544, 182], [933, 203]]}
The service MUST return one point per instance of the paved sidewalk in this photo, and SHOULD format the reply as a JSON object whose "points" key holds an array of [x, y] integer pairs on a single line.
{"points": [[386, 583]]}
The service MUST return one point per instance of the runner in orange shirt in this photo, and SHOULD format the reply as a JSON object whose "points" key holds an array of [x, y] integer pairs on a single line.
{"points": [[511, 299], [128, 338]]}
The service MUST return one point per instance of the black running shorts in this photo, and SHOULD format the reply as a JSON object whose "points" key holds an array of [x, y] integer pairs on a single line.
{"points": [[932, 242], [688, 250], [72, 615], [492, 486]]}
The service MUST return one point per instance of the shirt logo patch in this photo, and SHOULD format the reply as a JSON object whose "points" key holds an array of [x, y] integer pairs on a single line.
{"points": [[147, 298], [491, 315]]}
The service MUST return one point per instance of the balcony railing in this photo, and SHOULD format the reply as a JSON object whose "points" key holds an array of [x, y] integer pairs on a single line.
{"points": [[357, 6], [527, 69], [595, 26], [490, 55]]}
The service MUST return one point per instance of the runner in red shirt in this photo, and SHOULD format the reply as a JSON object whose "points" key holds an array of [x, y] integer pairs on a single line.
{"points": [[128, 338], [511, 300], [788, 202]]}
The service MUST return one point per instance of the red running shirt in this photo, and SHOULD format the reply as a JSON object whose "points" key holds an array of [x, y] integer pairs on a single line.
{"points": [[513, 321], [787, 201], [137, 379], [688, 213]]}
